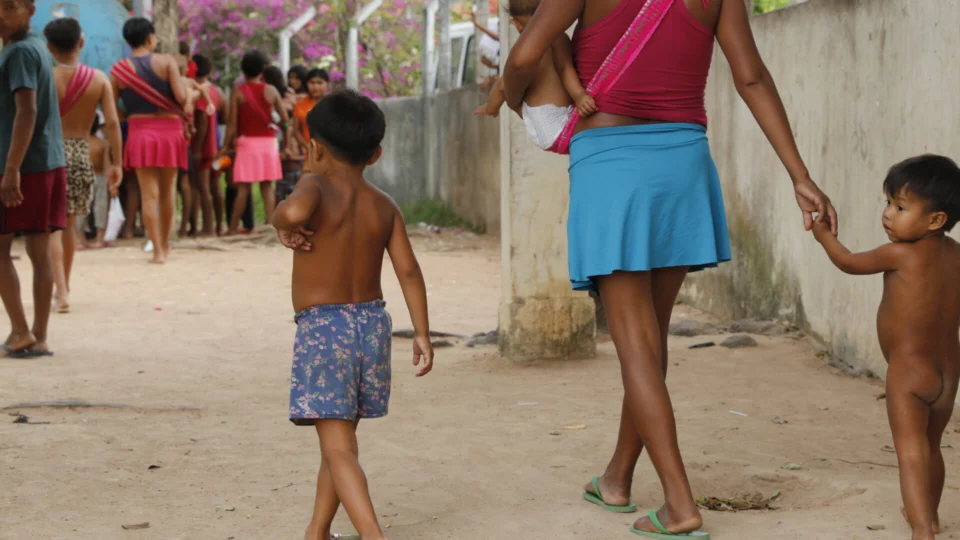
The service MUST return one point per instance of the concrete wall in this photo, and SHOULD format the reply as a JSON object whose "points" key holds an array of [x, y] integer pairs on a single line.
{"points": [[866, 83], [436, 149]]}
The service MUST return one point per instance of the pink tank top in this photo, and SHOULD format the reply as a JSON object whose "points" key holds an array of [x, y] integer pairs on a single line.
{"points": [[668, 79]]}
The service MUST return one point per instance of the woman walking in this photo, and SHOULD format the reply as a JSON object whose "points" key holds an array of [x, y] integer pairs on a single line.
{"points": [[645, 201]]}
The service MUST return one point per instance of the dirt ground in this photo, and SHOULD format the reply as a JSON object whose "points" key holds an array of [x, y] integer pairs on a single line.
{"points": [[198, 352]]}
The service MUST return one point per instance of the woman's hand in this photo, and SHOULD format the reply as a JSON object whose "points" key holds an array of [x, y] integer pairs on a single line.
{"points": [[811, 200]]}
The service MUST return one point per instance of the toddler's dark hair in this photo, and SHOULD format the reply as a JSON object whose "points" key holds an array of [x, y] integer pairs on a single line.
{"points": [[63, 34], [204, 65], [253, 64], [316, 72], [184, 48], [931, 178], [137, 31], [519, 8], [351, 125]]}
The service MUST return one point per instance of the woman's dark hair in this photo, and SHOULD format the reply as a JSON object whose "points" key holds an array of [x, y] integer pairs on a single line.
{"points": [[301, 73], [274, 77], [350, 125], [204, 65], [316, 73], [184, 48], [63, 34], [933, 179], [253, 64], [137, 31]]}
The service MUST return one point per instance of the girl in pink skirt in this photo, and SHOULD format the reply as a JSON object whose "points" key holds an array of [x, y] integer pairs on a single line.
{"points": [[153, 94], [252, 130]]}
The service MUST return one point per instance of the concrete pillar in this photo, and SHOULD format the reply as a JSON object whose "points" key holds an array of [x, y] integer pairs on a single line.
{"points": [[540, 316]]}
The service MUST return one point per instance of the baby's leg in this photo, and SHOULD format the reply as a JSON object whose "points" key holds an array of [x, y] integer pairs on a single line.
{"points": [[338, 444], [909, 418]]}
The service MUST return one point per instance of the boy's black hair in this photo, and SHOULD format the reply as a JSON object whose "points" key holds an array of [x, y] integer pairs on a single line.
{"points": [[253, 64], [63, 34], [349, 124], [520, 8], [204, 65], [316, 72], [137, 31], [274, 77], [184, 48], [933, 179]]}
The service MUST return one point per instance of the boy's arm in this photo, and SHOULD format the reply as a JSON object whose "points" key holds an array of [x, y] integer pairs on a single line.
{"points": [[22, 78], [274, 98], [496, 100], [292, 215], [484, 29], [563, 62], [111, 128], [414, 292], [885, 258]]}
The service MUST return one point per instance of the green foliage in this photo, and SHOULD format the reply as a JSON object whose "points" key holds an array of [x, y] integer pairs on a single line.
{"points": [[435, 213], [766, 6]]}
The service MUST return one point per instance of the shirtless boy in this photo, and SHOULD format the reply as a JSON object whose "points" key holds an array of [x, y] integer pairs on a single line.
{"points": [[918, 321], [339, 226], [80, 90], [33, 187]]}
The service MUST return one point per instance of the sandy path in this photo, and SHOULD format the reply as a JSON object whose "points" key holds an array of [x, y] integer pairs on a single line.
{"points": [[458, 458]]}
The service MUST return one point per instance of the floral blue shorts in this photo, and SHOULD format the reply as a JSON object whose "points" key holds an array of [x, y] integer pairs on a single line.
{"points": [[341, 363]]}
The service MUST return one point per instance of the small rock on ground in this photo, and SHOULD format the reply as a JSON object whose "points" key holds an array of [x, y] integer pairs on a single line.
{"points": [[484, 338], [739, 341], [692, 328]]}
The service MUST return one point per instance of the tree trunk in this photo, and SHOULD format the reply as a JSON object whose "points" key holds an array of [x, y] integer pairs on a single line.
{"points": [[445, 67], [166, 19]]}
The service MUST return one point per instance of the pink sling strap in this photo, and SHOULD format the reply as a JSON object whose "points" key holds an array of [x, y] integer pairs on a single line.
{"points": [[79, 82], [124, 72], [620, 59]]}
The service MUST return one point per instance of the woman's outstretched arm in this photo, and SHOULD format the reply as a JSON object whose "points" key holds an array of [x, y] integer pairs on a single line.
{"points": [[552, 18], [757, 89]]}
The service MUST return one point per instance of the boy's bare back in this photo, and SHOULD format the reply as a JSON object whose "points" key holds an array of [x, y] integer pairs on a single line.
{"points": [[352, 225]]}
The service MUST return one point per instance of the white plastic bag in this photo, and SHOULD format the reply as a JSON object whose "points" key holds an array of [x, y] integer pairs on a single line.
{"points": [[115, 220]]}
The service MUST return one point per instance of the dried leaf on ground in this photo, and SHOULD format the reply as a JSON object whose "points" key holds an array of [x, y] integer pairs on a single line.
{"points": [[578, 427], [136, 526], [749, 501], [876, 527], [889, 449]]}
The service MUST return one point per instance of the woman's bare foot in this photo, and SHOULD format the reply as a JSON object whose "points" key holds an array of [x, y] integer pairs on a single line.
{"points": [[231, 232], [613, 494], [159, 257], [936, 520], [675, 522]]}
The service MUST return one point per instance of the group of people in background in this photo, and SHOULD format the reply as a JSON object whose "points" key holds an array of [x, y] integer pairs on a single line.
{"points": [[154, 127]]}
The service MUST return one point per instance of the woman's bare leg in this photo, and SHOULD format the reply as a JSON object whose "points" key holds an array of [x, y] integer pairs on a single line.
{"points": [[269, 195], [239, 205], [628, 299], [216, 189], [149, 181], [617, 480], [131, 204], [168, 208], [186, 196], [206, 202]]}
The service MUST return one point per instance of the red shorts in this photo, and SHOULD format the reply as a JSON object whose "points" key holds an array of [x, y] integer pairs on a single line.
{"points": [[44, 206]]}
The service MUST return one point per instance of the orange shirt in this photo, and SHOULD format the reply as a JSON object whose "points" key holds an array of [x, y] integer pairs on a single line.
{"points": [[300, 111]]}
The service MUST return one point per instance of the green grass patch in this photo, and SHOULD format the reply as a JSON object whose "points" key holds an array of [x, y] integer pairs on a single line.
{"points": [[436, 213]]}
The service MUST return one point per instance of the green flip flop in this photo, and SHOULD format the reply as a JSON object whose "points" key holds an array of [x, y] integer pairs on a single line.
{"points": [[597, 499], [664, 534]]}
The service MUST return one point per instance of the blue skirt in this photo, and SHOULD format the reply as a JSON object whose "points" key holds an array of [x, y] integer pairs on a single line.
{"points": [[643, 197]]}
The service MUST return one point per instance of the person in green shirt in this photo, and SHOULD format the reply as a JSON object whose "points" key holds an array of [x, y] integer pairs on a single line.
{"points": [[33, 185]]}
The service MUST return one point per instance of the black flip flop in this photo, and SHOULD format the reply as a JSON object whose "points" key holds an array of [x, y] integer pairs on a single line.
{"points": [[28, 353]]}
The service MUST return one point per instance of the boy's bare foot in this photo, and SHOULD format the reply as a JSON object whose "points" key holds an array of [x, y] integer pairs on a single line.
{"points": [[19, 342], [158, 257], [675, 522], [611, 493], [231, 232], [936, 520]]}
